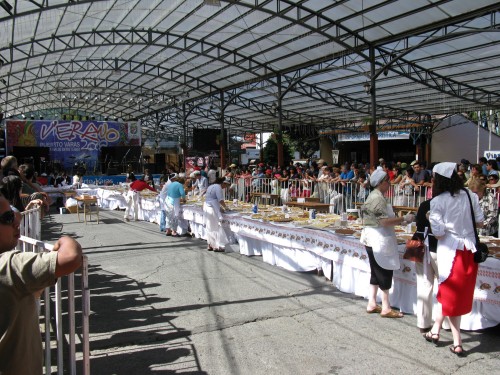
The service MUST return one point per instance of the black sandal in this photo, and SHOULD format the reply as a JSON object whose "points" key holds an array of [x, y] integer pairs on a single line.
{"points": [[432, 337], [453, 349]]}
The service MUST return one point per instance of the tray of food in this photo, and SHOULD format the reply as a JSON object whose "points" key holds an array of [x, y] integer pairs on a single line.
{"points": [[283, 220], [345, 231], [318, 225], [256, 216], [494, 251]]}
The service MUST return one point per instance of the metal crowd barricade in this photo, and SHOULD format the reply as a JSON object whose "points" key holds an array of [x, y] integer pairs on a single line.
{"points": [[340, 195], [30, 224]]}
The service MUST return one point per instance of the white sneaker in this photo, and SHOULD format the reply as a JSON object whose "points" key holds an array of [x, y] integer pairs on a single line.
{"points": [[126, 219]]}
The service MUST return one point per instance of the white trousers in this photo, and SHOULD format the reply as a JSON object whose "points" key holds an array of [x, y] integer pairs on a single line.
{"points": [[132, 200], [425, 287]]}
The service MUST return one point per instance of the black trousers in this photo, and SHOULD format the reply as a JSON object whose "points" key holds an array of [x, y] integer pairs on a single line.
{"points": [[379, 276]]}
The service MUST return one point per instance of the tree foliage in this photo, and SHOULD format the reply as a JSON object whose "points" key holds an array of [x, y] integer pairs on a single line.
{"points": [[303, 139], [270, 152], [306, 147]]}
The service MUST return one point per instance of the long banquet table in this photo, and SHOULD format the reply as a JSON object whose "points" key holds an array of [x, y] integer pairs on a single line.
{"points": [[343, 259]]}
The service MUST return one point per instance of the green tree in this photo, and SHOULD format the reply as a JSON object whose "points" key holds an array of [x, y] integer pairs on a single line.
{"points": [[305, 141], [306, 147], [271, 152]]}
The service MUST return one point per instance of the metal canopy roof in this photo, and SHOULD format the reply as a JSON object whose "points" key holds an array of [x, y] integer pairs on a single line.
{"points": [[313, 62]]}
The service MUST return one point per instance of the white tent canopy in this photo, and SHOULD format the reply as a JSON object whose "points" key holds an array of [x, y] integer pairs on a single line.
{"points": [[254, 65]]}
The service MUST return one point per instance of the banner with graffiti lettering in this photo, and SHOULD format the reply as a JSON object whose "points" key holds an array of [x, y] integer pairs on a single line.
{"points": [[71, 142]]}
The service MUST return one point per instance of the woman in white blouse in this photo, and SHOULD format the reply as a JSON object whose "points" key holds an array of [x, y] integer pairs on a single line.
{"points": [[214, 200], [451, 222]]}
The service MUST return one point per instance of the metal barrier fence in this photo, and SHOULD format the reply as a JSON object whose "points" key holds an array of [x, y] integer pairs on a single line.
{"points": [[340, 195], [30, 224]]}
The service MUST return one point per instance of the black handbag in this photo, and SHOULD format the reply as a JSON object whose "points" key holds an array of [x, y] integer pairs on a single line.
{"points": [[481, 249], [415, 248]]}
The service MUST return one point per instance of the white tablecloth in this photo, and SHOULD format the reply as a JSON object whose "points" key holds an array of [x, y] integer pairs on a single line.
{"points": [[148, 208], [343, 259], [55, 193], [304, 249]]}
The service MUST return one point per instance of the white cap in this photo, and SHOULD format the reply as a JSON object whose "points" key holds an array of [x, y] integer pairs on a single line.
{"points": [[445, 169], [377, 176]]}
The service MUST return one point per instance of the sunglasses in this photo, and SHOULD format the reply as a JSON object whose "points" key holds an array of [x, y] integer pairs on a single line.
{"points": [[7, 218]]}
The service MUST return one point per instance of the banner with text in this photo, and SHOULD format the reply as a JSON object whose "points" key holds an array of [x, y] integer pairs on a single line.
{"points": [[491, 154], [382, 136], [71, 142]]}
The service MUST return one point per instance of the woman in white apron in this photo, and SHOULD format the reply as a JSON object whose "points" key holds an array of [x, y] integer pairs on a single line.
{"points": [[214, 199], [380, 241], [173, 212]]}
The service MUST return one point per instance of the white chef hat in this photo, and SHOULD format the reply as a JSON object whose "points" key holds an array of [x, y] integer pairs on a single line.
{"points": [[445, 169], [377, 176]]}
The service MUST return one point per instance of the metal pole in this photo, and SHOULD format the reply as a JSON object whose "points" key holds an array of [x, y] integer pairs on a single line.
{"points": [[85, 316], [478, 125], [222, 138], [373, 112], [280, 125], [489, 127]]}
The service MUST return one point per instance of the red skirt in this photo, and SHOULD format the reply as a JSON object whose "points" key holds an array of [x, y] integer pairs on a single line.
{"points": [[456, 292]]}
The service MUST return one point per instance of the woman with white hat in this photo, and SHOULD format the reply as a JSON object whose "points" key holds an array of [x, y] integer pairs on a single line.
{"points": [[451, 222], [214, 200], [380, 242]]}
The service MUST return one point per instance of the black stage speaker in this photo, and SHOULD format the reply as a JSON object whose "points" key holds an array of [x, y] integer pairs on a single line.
{"points": [[37, 156], [119, 157], [159, 162], [206, 140], [151, 167]]}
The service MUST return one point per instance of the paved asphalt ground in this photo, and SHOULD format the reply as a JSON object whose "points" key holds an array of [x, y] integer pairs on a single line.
{"points": [[163, 305]]}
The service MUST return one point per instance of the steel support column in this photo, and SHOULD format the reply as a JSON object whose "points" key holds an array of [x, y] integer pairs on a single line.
{"points": [[222, 140], [373, 119], [279, 138], [184, 136]]}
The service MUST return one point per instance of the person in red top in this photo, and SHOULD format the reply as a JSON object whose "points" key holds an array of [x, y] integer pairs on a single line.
{"points": [[133, 196]]}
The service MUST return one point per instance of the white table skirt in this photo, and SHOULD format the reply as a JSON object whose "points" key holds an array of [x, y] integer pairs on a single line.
{"points": [[55, 193], [303, 249]]}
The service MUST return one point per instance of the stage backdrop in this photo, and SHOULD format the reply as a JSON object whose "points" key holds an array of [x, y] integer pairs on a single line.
{"points": [[71, 142]]}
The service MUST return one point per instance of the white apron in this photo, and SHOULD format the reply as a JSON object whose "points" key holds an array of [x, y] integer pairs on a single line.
{"points": [[384, 243], [216, 237]]}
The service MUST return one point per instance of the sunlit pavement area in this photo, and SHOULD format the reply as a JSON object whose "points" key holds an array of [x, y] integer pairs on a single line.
{"points": [[163, 305]]}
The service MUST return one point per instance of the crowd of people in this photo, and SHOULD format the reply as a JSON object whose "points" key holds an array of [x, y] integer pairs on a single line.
{"points": [[444, 220]]}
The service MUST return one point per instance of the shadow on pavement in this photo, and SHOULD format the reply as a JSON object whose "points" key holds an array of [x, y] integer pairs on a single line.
{"points": [[129, 335]]}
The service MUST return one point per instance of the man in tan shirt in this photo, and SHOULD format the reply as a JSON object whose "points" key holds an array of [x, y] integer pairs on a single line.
{"points": [[21, 276]]}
